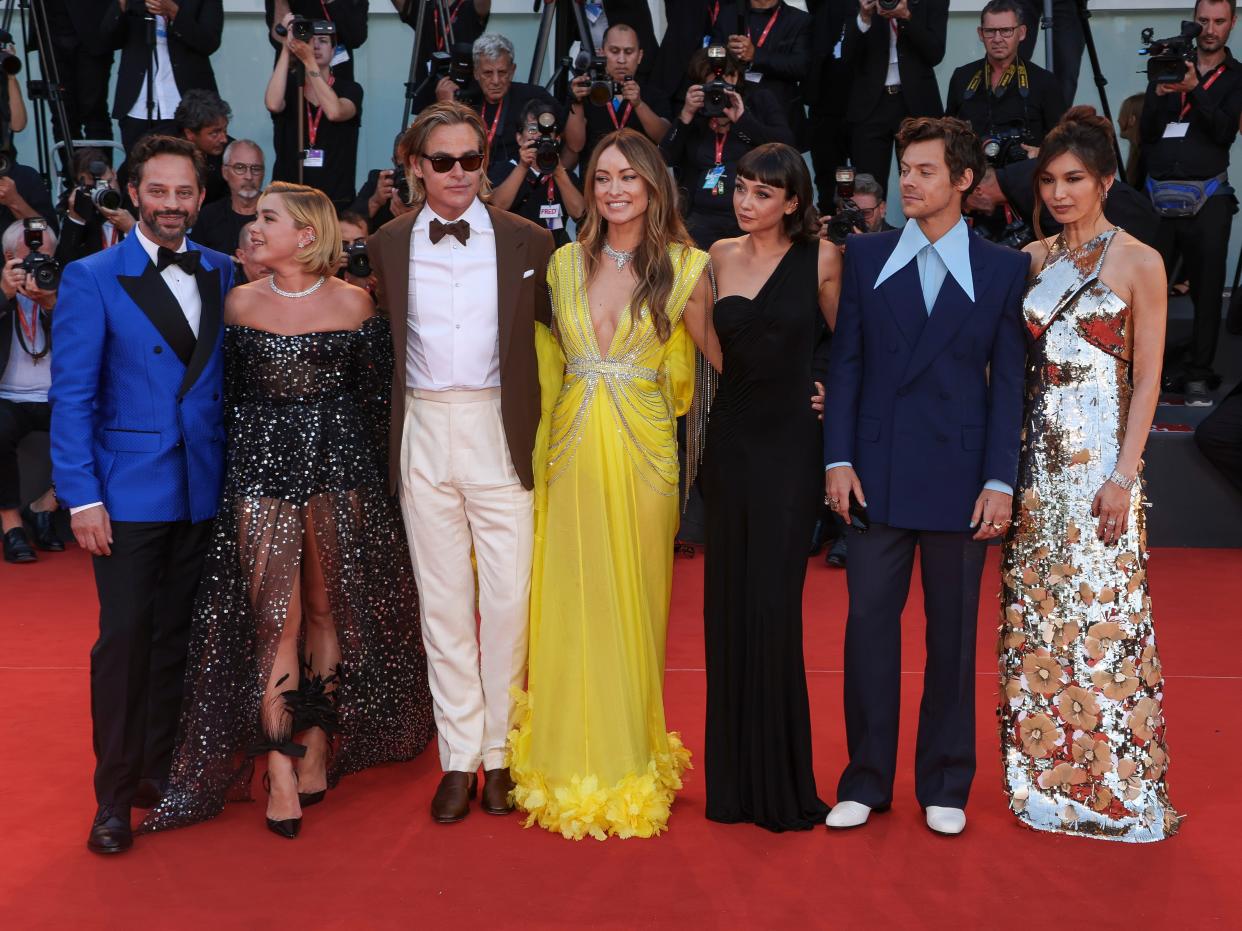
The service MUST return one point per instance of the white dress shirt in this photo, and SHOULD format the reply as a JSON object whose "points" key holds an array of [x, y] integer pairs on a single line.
{"points": [[453, 340], [166, 95], [893, 76]]}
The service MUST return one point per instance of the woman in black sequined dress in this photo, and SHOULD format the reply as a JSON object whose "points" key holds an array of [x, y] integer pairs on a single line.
{"points": [[305, 644]]}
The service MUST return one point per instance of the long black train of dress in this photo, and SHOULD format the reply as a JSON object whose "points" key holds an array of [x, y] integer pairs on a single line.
{"points": [[762, 482], [307, 422]]}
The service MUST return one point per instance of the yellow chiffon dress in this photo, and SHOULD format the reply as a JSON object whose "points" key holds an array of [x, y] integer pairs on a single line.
{"points": [[590, 753]]}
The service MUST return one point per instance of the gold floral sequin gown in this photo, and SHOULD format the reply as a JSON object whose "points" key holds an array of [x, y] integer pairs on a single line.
{"points": [[591, 755], [1082, 731]]}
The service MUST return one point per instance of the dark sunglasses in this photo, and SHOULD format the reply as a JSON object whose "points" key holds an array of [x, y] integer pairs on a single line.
{"points": [[442, 164]]}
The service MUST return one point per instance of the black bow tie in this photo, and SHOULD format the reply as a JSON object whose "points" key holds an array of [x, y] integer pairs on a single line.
{"points": [[458, 228], [188, 260]]}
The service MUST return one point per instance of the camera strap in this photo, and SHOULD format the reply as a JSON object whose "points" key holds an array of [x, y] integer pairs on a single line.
{"points": [[763, 36], [491, 133], [435, 13], [1206, 84], [28, 334], [625, 116]]}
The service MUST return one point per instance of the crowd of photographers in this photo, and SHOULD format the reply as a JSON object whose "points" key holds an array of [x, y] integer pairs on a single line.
{"points": [[726, 76]]}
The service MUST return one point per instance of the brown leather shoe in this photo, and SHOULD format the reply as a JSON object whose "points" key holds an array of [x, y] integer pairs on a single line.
{"points": [[452, 799], [497, 784]]}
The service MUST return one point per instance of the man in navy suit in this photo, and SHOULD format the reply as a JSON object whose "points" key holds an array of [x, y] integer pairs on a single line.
{"points": [[921, 427], [138, 458]]}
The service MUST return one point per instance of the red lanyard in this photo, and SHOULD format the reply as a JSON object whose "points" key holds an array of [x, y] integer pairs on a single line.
{"points": [[491, 133], [453, 11], [1205, 85], [312, 122], [766, 29], [625, 117], [551, 190], [111, 239], [324, 6], [715, 13], [720, 144], [32, 331]]}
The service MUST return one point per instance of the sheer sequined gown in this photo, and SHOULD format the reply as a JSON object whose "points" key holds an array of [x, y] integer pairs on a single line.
{"points": [[591, 755], [762, 480], [307, 425], [1082, 731]]}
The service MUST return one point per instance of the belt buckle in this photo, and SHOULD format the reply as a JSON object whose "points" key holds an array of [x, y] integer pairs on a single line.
{"points": [[892, 89]]}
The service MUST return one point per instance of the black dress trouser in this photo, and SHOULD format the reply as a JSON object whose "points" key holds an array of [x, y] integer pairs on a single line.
{"points": [[871, 140], [878, 576], [146, 594], [17, 419]]}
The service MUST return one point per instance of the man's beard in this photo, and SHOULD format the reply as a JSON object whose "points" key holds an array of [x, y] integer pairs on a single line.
{"points": [[151, 220], [249, 193]]}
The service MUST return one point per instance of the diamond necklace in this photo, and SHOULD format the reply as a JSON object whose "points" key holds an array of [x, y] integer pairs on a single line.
{"points": [[296, 294], [621, 258]]}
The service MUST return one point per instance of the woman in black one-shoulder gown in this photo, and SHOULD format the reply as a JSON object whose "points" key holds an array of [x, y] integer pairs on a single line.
{"points": [[762, 480]]}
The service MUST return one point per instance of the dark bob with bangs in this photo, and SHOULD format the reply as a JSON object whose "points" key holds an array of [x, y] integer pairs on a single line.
{"points": [[781, 166]]}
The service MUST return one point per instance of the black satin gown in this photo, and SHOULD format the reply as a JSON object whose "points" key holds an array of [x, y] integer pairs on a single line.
{"points": [[307, 421], [762, 483]]}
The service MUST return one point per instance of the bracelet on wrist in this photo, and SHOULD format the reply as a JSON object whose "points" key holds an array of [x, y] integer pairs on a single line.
{"points": [[1123, 481]]}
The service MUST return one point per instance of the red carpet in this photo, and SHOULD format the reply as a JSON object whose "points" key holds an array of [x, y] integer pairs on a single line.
{"points": [[370, 857]]}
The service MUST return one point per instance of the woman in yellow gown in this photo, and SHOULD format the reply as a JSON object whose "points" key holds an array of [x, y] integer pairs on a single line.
{"points": [[591, 754]]}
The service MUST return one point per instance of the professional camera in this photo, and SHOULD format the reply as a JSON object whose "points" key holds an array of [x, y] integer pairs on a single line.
{"points": [[401, 183], [89, 198], [1004, 146], [44, 268], [303, 29], [457, 65], [1016, 233], [716, 91], [603, 88], [848, 217], [547, 146], [357, 262], [1166, 58], [888, 5], [9, 63]]}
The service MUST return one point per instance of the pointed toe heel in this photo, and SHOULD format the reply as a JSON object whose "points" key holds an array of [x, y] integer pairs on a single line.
{"points": [[306, 799], [289, 827]]}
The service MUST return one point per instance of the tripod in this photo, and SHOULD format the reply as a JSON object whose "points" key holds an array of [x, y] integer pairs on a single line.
{"points": [[1084, 16], [45, 93], [414, 87], [549, 19]]}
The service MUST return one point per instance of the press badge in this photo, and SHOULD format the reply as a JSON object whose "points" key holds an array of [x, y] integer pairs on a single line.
{"points": [[312, 158], [1176, 130], [713, 177], [339, 56]]}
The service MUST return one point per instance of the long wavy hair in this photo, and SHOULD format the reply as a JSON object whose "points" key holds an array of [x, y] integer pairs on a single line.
{"points": [[663, 227]]}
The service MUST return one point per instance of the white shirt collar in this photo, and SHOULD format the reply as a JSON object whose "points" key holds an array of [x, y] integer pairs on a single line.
{"points": [[953, 248], [476, 215], [152, 249]]}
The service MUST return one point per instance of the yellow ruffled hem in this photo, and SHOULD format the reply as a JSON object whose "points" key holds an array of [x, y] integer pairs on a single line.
{"points": [[636, 806]]}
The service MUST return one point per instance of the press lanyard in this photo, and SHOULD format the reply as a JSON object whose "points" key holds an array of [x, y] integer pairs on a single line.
{"points": [[312, 122], [720, 144], [435, 12], [30, 332], [110, 237], [491, 133], [763, 37], [1205, 85], [625, 118], [551, 190], [715, 13]]}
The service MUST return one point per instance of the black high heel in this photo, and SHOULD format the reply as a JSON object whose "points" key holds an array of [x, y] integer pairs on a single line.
{"points": [[285, 827], [313, 705]]}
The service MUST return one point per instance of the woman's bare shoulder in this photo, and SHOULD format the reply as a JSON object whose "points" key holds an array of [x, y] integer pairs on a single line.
{"points": [[242, 300]]}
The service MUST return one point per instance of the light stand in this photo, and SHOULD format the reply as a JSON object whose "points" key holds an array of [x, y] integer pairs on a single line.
{"points": [[1084, 16]]}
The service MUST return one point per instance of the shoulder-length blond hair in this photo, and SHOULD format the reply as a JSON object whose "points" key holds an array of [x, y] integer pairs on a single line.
{"points": [[653, 268], [309, 206]]}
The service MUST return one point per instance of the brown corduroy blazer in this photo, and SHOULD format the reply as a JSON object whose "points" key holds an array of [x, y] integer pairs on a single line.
{"points": [[522, 300]]}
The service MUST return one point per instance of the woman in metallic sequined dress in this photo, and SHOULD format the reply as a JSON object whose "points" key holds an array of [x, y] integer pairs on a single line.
{"points": [[305, 645], [1082, 732]]}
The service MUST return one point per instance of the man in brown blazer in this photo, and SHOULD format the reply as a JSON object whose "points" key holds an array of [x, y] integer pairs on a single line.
{"points": [[464, 287]]}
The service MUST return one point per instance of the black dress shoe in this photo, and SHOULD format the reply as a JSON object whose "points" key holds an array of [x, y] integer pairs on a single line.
{"points": [[17, 546], [110, 832], [150, 792], [837, 555], [40, 524]]}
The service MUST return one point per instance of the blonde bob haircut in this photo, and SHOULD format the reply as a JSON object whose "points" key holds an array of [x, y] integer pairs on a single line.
{"points": [[310, 207], [413, 144]]}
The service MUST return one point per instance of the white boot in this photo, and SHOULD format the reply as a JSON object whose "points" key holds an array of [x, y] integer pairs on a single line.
{"points": [[848, 815], [946, 820]]}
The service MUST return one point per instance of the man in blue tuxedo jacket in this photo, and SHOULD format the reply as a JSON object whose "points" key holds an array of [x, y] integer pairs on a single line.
{"points": [[921, 427], [138, 457]]}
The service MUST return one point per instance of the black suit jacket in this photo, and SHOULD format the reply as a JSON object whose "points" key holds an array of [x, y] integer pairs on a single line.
{"points": [[920, 47], [78, 240], [8, 311], [192, 39]]}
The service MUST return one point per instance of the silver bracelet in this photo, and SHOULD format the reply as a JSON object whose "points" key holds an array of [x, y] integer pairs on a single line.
{"points": [[1124, 482]]}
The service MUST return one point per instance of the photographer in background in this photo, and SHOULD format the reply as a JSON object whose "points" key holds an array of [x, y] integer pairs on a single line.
{"points": [[221, 222], [327, 148], [95, 218], [537, 185], [715, 128], [469, 21], [349, 17], [598, 109], [244, 260], [1187, 128], [893, 49], [84, 64], [203, 117], [868, 198], [187, 34], [503, 99], [25, 376], [355, 262], [385, 194], [1003, 95], [772, 40]]}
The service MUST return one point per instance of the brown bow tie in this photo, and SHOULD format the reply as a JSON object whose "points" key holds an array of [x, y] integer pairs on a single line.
{"points": [[458, 228]]}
